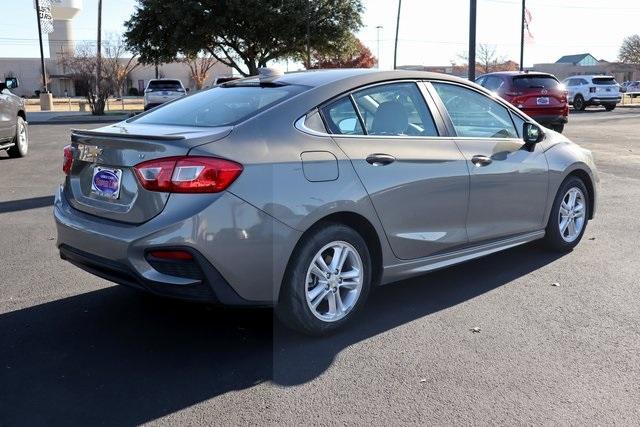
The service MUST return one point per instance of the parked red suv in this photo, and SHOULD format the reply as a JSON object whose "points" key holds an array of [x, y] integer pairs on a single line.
{"points": [[539, 95]]}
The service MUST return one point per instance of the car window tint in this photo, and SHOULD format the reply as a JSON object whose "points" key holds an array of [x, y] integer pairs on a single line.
{"points": [[474, 114], [219, 106], [519, 122], [341, 118], [493, 83], [604, 81], [480, 80], [535, 82], [165, 85], [395, 109]]}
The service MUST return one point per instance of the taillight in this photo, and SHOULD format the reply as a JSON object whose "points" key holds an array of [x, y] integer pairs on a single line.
{"points": [[592, 90], [172, 255], [67, 162], [187, 174]]}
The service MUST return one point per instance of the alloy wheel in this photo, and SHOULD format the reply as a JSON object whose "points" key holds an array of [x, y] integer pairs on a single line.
{"points": [[334, 281], [571, 215]]}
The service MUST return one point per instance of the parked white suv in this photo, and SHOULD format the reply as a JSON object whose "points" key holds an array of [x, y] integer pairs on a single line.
{"points": [[592, 90], [159, 91]]}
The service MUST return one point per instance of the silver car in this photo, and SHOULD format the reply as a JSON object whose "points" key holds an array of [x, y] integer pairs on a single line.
{"points": [[304, 191]]}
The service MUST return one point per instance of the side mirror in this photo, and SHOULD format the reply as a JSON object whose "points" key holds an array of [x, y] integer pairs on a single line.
{"points": [[11, 82], [532, 133]]}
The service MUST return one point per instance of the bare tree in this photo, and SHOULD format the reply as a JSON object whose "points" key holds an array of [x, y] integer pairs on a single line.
{"points": [[630, 50], [83, 67], [117, 65], [487, 60], [199, 67]]}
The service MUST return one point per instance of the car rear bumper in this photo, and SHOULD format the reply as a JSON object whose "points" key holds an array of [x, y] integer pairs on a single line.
{"points": [[239, 252], [599, 100], [551, 119]]}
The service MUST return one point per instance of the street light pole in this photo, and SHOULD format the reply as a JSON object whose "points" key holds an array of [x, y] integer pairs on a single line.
{"points": [[44, 76], [395, 48], [379, 30], [472, 40], [99, 48], [522, 37]]}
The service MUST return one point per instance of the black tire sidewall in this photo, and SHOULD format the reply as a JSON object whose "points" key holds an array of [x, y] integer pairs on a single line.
{"points": [[579, 100], [553, 237], [292, 308]]}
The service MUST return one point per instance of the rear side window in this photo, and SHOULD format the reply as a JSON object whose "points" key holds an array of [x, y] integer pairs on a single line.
{"points": [[220, 106], [535, 82], [604, 81], [165, 85], [395, 109], [341, 118], [493, 83], [474, 114]]}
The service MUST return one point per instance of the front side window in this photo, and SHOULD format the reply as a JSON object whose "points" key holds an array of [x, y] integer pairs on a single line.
{"points": [[395, 109], [220, 106], [474, 114]]}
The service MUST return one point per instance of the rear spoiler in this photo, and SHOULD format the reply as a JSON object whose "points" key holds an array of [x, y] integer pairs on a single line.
{"points": [[87, 132]]}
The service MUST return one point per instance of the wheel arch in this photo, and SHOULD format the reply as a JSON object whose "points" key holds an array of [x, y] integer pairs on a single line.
{"points": [[22, 114], [588, 182], [361, 225]]}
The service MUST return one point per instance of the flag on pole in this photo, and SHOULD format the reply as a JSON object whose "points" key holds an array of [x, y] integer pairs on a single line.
{"points": [[46, 18], [527, 23]]}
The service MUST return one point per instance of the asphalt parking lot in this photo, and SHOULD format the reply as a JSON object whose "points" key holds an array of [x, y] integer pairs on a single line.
{"points": [[76, 349]]}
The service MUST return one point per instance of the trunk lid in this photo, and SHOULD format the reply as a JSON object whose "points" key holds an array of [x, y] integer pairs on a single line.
{"points": [[102, 181]]}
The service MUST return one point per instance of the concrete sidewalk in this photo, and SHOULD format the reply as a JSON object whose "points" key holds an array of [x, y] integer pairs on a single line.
{"points": [[67, 117]]}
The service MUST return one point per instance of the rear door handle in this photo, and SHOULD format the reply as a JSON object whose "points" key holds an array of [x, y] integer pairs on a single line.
{"points": [[480, 160], [380, 159]]}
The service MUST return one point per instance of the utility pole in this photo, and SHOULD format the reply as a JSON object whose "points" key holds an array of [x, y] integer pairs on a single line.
{"points": [[522, 37], [379, 31], [44, 76], [395, 47], [472, 40], [99, 48], [308, 34]]}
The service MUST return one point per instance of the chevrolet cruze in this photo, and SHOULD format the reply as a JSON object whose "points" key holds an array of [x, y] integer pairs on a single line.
{"points": [[306, 190]]}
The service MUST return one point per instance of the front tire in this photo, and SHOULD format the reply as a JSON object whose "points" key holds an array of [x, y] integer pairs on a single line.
{"points": [[578, 103], [327, 282], [21, 140], [609, 107], [569, 216]]}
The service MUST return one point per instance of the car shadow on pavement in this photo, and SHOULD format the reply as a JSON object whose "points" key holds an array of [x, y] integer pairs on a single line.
{"points": [[26, 204], [115, 356]]}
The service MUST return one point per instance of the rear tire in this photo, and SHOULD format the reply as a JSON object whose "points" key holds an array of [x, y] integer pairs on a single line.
{"points": [[314, 299], [559, 128], [21, 140], [609, 107], [569, 216], [578, 103]]}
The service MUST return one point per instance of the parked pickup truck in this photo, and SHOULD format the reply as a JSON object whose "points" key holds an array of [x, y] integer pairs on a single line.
{"points": [[14, 135]]}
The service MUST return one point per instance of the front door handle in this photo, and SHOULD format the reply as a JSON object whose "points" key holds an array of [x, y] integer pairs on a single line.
{"points": [[380, 159], [480, 160]]}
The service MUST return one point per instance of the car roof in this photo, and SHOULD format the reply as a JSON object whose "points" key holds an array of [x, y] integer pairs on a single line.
{"points": [[590, 76], [352, 76], [518, 73]]}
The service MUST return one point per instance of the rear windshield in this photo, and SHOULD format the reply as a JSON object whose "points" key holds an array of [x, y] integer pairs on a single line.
{"points": [[165, 85], [535, 82], [220, 106], [604, 81]]}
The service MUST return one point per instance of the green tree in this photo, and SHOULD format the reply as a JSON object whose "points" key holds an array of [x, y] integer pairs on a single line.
{"points": [[630, 50], [350, 53], [243, 34]]}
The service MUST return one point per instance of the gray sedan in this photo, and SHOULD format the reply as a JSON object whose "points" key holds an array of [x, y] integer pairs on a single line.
{"points": [[304, 191]]}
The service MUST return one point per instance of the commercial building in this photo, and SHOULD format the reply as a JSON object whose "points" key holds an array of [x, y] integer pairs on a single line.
{"points": [[585, 63]]}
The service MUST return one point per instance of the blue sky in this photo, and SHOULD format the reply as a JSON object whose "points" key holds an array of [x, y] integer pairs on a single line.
{"points": [[431, 32]]}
